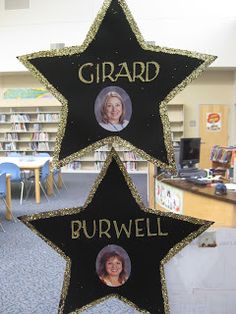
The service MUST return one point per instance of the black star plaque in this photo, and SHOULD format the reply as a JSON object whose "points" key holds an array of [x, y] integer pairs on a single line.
{"points": [[114, 58], [115, 224]]}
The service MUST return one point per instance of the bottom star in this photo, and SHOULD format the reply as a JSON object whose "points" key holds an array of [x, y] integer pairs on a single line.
{"points": [[113, 245]]}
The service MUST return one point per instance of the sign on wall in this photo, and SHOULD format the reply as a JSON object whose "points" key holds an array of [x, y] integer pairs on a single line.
{"points": [[213, 121]]}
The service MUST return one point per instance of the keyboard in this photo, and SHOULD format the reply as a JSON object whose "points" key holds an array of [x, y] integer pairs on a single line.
{"points": [[190, 173], [198, 181]]}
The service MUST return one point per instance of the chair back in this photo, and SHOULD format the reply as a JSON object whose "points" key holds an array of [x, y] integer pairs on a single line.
{"points": [[3, 187], [12, 169], [14, 154], [45, 171], [42, 155]]}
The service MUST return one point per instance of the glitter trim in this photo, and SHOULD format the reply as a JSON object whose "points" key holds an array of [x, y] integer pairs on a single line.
{"points": [[67, 51], [69, 211]]}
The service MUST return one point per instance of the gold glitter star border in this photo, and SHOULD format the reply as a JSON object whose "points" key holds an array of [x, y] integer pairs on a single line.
{"points": [[202, 226], [114, 140]]}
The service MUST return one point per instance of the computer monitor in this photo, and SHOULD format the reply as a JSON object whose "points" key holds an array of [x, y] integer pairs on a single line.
{"points": [[189, 152]]}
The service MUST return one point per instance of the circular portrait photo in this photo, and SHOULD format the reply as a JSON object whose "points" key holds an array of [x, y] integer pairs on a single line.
{"points": [[113, 108], [113, 265]]}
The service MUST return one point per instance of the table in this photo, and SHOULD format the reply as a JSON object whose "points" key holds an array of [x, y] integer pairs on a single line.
{"points": [[34, 164], [8, 197]]}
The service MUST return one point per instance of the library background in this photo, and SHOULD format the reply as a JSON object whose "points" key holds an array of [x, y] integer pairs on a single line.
{"points": [[202, 119]]}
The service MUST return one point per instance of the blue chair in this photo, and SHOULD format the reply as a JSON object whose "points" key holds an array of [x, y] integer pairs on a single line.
{"points": [[3, 189], [55, 172], [44, 173], [15, 172], [14, 154]]}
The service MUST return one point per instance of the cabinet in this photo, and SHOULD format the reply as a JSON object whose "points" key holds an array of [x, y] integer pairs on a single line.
{"points": [[28, 128]]}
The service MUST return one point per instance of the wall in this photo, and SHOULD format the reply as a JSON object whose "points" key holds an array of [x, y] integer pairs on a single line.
{"points": [[184, 24], [212, 87]]}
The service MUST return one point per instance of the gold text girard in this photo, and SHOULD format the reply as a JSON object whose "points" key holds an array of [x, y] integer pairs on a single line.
{"points": [[109, 72]]}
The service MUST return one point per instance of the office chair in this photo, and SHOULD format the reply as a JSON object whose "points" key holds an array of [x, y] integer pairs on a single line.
{"points": [[15, 172]]}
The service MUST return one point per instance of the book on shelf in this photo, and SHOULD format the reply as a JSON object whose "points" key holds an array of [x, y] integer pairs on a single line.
{"points": [[20, 118], [130, 165], [48, 117], [10, 146], [40, 136], [11, 137], [41, 146], [74, 165], [222, 154], [2, 118], [100, 155], [36, 127], [19, 127]]}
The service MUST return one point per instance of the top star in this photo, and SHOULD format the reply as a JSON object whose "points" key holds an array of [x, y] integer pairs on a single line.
{"points": [[114, 88]]}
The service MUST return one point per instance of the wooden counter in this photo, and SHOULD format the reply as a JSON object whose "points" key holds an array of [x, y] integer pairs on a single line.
{"points": [[201, 202], [206, 191]]}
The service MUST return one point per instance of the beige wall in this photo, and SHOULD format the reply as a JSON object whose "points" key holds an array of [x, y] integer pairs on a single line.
{"points": [[212, 87]]}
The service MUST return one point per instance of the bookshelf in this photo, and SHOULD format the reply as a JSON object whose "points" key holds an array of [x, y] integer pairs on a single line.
{"points": [[223, 158], [93, 162], [176, 117], [27, 128]]}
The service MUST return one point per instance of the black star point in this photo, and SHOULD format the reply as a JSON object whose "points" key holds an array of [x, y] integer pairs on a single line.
{"points": [[115, 47], [150, 240]]}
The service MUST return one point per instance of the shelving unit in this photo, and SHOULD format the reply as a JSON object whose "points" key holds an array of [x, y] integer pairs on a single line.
{"points": [[93, 162], [28, 128], [222, 159], [176, 117]]}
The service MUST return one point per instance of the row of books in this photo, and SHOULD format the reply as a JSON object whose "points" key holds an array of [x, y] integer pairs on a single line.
{"points": [[19, 127], [223, 154], [74, 165], [8, 146], [2, 118], [129, 165], [11, 137], [41, 146], [20, 118], [126, 156], [42, 117], [48, 117], [40, 136]]}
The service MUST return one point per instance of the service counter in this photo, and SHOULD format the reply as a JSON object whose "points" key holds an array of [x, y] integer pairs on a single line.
{"points": [[186, 198]]}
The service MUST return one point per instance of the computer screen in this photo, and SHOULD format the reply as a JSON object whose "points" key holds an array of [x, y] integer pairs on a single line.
{"points": [[189, 151]]}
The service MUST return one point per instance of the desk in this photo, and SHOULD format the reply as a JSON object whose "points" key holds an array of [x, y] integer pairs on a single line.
{"points": [[201, 202], [33, 164]]}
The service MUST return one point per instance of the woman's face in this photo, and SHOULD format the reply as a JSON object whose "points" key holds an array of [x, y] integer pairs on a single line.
{"points": [[113, 109], [113, 266]]}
